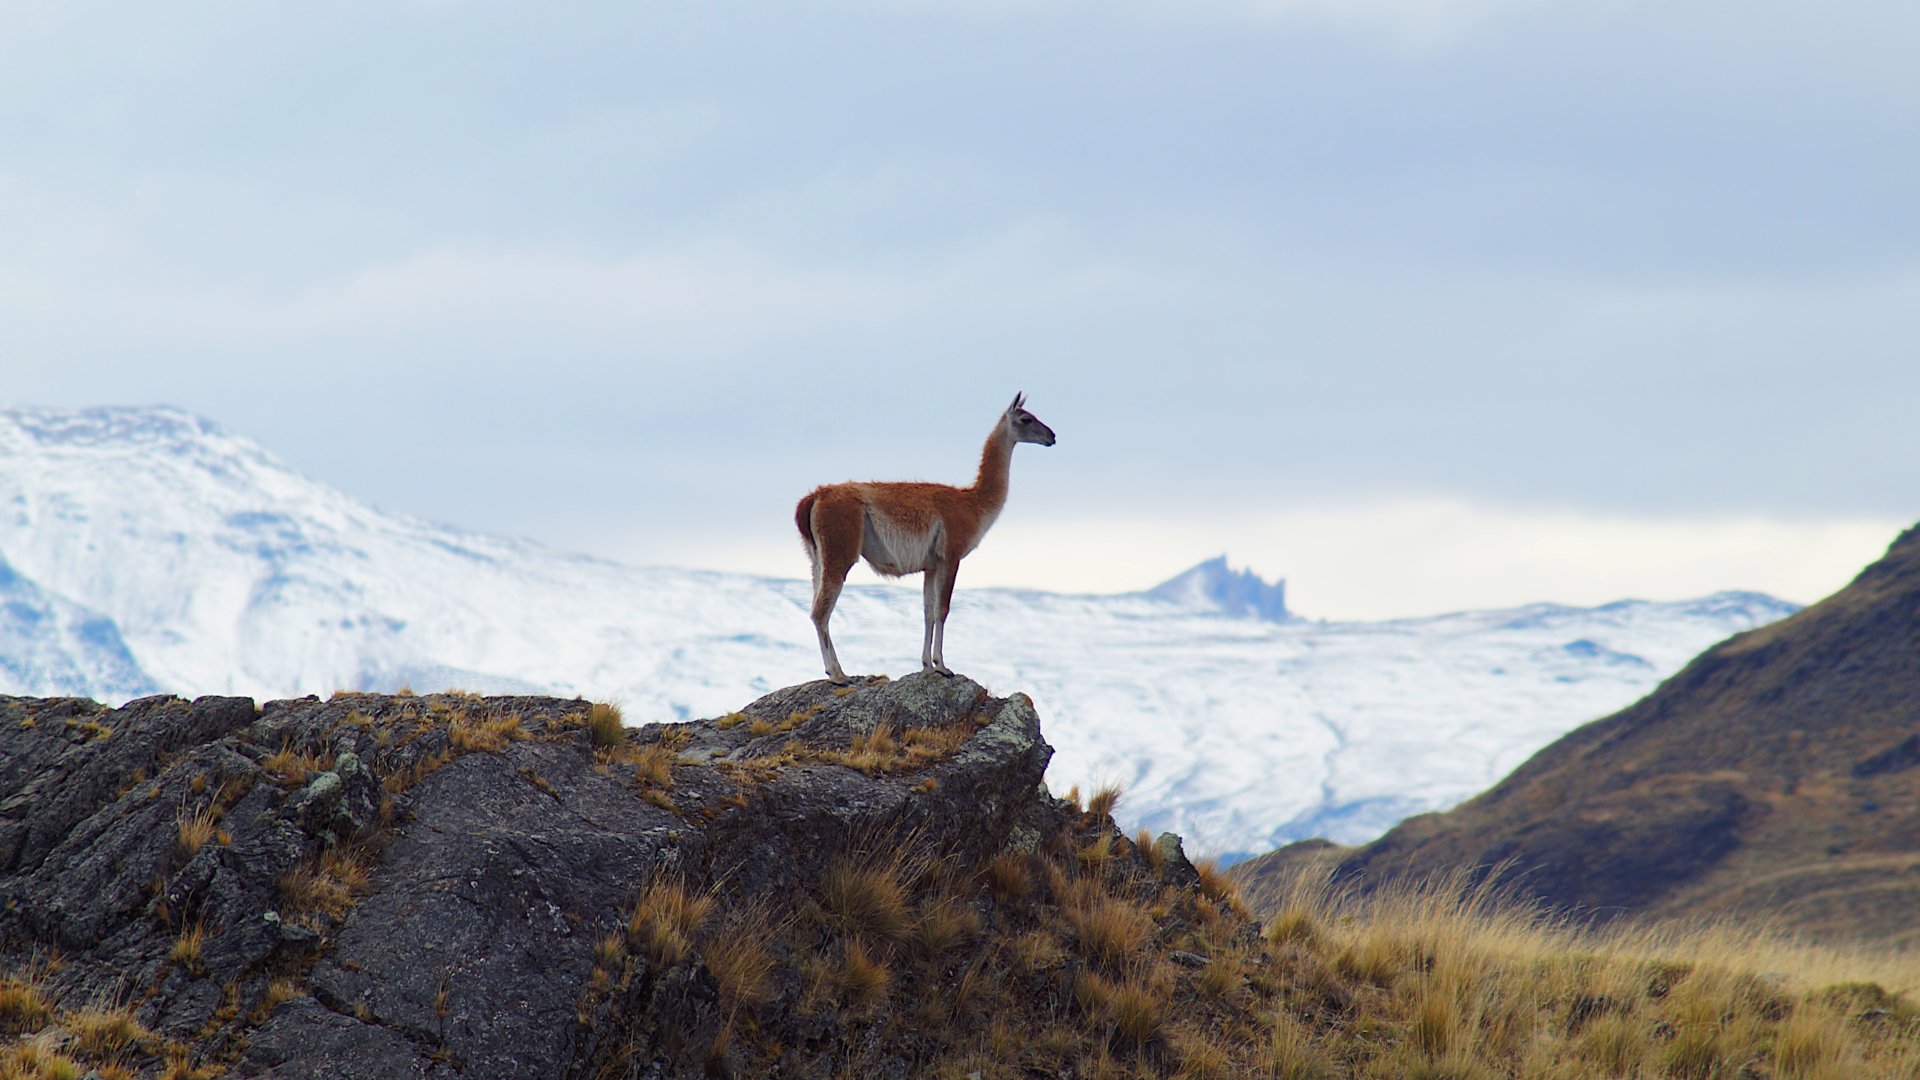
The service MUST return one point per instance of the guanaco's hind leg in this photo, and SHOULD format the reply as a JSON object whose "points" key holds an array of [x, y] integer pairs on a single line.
{"points": [[837, 527]]}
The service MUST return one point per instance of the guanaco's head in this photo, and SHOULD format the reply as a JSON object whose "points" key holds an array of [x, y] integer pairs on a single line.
{"points": [[1025, 426]]}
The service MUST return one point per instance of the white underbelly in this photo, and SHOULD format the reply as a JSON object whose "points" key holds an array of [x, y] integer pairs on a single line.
{"points": [[894, 551]]}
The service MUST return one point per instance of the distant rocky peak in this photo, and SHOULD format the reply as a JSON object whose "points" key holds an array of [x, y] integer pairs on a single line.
{"points": [[1216, 586]]}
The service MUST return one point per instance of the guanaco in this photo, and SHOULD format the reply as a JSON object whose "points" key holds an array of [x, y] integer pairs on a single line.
{"points": [[909, 527]]}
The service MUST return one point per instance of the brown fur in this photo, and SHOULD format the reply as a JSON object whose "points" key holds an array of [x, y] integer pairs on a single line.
{"points": [[906, 528]]}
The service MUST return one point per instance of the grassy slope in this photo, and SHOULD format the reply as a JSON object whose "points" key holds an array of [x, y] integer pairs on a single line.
{"points": [[1776, 778], [1091, 957]]}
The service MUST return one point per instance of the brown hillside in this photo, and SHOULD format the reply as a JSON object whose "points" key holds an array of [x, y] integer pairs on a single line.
{"points": [[1777, 776]]}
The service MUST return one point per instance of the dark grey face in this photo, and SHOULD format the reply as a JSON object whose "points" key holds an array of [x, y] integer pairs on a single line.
{"points": [[1026, 426]]}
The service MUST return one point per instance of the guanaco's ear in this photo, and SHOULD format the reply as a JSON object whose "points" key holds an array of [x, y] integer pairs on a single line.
{"points": [[1018, 399]]}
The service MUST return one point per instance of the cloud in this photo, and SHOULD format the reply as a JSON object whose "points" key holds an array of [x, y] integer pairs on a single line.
{"points": [[1392, 559]]}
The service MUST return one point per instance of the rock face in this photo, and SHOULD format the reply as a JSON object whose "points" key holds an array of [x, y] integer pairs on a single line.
{"points": [[1775, 778], [391, 886]]}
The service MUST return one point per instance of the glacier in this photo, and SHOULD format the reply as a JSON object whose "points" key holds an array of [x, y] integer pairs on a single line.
{"points": [[148, 550]]}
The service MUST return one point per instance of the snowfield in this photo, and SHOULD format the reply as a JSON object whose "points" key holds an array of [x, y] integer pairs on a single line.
{"points": [[146, 550]]}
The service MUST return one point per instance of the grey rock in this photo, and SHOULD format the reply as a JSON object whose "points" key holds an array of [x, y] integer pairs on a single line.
{"points": [[1176, 868], [491, 874]]}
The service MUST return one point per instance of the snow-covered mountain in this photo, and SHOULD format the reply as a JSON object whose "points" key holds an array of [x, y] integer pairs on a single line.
{"points": [[50, 646], [149, 549]]}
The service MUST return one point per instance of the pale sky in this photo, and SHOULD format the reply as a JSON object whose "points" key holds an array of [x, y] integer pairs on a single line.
{"points": [[1420, 305]]}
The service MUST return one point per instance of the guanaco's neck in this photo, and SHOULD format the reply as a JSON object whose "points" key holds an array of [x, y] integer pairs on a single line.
{"points": [[990, 487]]}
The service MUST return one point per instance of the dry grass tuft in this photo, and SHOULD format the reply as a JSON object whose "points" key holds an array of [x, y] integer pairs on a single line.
{"points": [[23, 1005], [1294, 926], [1103, 801], [1220, 978], [943, 926], [94, 730], [199, 826], [280, 991], [741, 960], [186, 948], [871, 752], [1132, 1013], [862, 977], [866, 897], [653, 765], [610, 951], [1098, 854], [27, 1061], [1215, 885], [1155, 857], [1009, 878], [293, 767], [104, 1033], [665, 920], [605, 726], [180, 1067], [329, 885], [487, 732], [403, 779], [887, 750], [1109, 931]]}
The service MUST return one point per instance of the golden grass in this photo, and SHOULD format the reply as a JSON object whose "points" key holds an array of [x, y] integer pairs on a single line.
{"points": [[281, 990], [1459, 974], [605, 725], [292, 766], [180, 1067], [400, 780], [197, 827], [863, 977], [610, 951], [1008, 877], [1217, 886], [489, 732], [1104, 798], [94, 730], [741, 960], [1132, 1011], [27, 1061], [653, 764], [186, 948], [1097, 854], [329, 885], [1109, 931], [889, 750], [944, 925], [23, 1005], [866, 896], [665, 919], [101, 1032]]}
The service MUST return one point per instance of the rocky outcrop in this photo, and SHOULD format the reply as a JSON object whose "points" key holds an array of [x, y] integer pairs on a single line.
{"points": [[390, 886]]}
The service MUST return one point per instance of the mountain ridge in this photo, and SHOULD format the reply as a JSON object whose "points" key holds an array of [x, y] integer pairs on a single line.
{"points": [[1775, 776]]}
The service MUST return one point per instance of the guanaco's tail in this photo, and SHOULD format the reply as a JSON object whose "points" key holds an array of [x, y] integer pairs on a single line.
{"points": [[803, 517]]}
